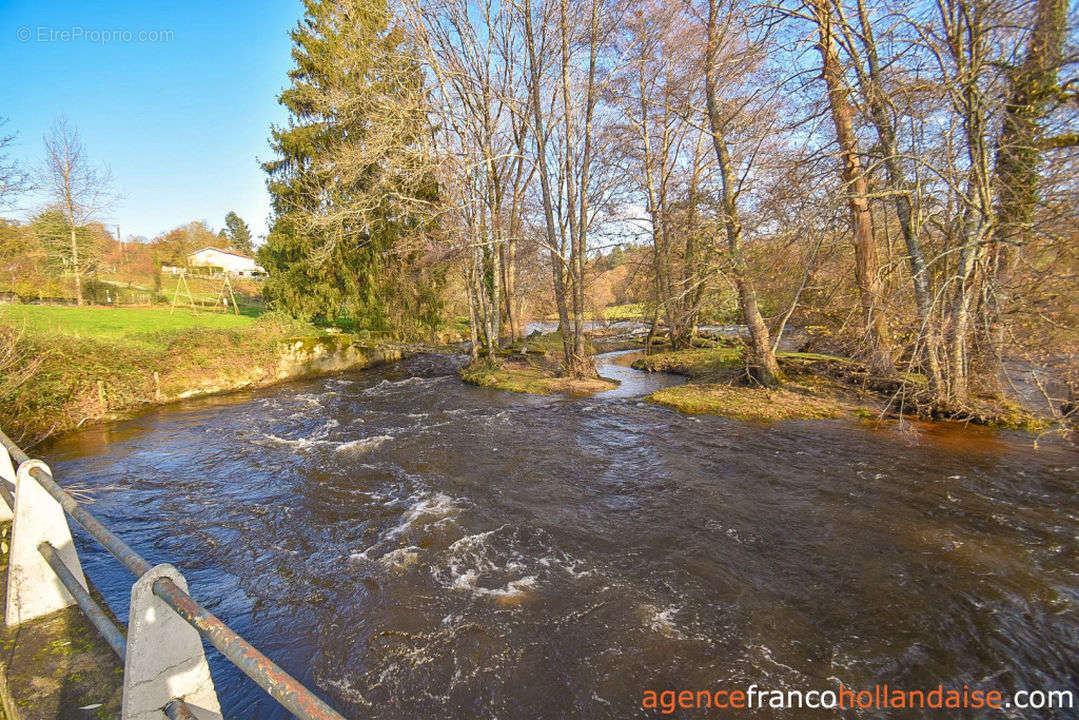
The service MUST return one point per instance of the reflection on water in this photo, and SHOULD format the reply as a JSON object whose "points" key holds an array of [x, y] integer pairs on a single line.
{"points": [[416, 547], [631, 383]]}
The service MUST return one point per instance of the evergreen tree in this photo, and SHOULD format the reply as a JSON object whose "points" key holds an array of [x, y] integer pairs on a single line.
{"points": [[351, 185], [237, 232]]}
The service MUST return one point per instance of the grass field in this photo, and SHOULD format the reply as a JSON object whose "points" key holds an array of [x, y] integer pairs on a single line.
{"points": [[112, 323]]}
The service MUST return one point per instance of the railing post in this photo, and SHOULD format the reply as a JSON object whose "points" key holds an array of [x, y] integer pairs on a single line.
{"points": [[165, 659], [7, 476], [33, 589]]}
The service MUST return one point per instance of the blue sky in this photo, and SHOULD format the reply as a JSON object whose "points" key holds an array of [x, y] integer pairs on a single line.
{"points": [[181, 119]]}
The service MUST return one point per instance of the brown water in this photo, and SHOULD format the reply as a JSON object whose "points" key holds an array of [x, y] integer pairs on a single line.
{"points": [[418, 548]]}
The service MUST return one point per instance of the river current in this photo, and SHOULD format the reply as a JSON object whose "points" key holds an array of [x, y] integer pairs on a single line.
{"points": [[415, 547]]}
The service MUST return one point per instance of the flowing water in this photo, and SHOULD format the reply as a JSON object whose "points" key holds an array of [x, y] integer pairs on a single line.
{"points": [[419, 548]]}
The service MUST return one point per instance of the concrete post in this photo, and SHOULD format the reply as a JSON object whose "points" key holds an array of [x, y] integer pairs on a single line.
{"points": [[7, 472], [33, 589], [165, 659]]}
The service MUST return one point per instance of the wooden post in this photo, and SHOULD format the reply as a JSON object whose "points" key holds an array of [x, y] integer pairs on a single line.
{"points": [[157, 386], [182, 280], [101, 397], [227, 294]]}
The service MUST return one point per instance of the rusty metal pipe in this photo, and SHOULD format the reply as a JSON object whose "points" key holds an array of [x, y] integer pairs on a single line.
{"points": [[94, 613], [281, 686], [9, 498], [179, 710], [17, 455], [130, 559]]}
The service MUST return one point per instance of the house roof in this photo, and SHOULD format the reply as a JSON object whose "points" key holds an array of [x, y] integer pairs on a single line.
{"points": [[226, 252]]}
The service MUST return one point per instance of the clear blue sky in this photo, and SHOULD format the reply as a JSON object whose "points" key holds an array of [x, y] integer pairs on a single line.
{"points": [[180, 120]]}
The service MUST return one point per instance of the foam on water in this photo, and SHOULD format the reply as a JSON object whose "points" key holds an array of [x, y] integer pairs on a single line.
{"points": [[505, 564], [363, 444], [426, 510], [661, 619], [410, 383]]}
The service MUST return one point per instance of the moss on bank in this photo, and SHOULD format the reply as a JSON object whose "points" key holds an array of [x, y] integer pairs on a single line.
{"points": [[57, 666], [715, 387], [708, 363], [797, 399], [817, 386], [524, 377], [693, 363], [532, 366]]}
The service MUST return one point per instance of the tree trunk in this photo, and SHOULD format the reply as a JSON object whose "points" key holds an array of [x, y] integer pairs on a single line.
{"points": [[474, 348], [75, 269], [763, 365], [968, 31], [1018, 157], [551, 228], [872, 87], [855, 187], [509, 286]]}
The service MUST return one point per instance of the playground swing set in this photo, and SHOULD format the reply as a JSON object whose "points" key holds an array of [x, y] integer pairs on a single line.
{"points": [[183, 290]]}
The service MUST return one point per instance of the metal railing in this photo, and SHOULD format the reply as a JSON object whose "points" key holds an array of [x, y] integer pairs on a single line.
{"points": [[281, 686]]}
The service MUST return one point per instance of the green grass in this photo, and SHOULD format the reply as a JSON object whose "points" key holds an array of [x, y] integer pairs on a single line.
{"points": [[628, 311], [137, 324]]}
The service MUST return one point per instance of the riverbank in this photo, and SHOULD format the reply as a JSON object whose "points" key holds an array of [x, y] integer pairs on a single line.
{"points": [[54, 378], [816, 386], [532, 365]]}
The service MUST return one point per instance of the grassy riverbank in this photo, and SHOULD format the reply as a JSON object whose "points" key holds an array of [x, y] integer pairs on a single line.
{"points": [[532, 366], [714, 387], [815, 386], [62, 366]]}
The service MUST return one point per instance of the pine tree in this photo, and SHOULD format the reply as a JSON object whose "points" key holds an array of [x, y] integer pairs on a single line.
{"points": [[350, 186], [237, 232]]}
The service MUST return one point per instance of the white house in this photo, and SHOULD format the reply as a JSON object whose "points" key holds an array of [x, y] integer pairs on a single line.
{"points": [[232, 262]]}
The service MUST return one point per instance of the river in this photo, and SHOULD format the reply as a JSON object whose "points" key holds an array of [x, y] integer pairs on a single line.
{"points": [[420, 548]]}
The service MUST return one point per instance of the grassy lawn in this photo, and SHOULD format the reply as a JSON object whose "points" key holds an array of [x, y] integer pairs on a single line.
{"points": [[112, 323]]}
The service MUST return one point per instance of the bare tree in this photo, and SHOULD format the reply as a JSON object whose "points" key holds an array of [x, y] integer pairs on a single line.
{"points": [[472, 51], [79, 190], [564, 134], [860, 41], [659, 97], [1033, 93], [962, 45], [13, 180], [763, 360], [866, 270]]}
